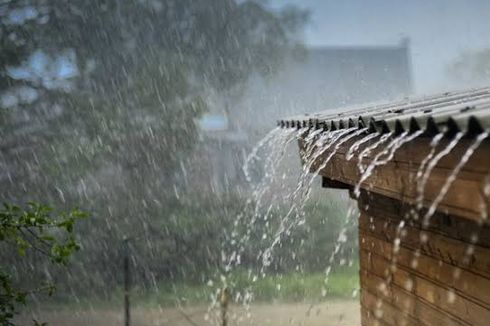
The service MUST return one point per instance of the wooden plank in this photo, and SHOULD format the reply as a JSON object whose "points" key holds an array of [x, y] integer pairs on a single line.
{"points": [[417, 150], [383, 312], [407, 303], [446, 225], [444, 299], [396, 178], [451, 251], [469, 285], [368, 318]]}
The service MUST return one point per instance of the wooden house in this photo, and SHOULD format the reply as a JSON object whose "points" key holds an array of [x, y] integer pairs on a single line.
{"points": [[424, 236]]}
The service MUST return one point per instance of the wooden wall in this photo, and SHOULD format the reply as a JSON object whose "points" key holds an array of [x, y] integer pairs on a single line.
{"points": [[445, 281], [397, 179]]}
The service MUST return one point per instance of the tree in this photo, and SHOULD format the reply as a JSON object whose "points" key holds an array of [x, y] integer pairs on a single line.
{"points": [[111, 136], [36, 231]]}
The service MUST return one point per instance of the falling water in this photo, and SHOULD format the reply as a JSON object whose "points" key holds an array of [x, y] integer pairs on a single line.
{"points": [[423, 172], [341, 239], [484, 205], [337, 146], [401, 225], [318, 143], [389, 151], [273, 134], [445, 188], [450, 179], [311, 155], [341, 140], [348, 135], [485, 195], [382, 158], [365, 153], [432, 163], [420, 172], [369, 149], [275, 150], [355, 147], [273, 146], [300, 195], [325, 142]]}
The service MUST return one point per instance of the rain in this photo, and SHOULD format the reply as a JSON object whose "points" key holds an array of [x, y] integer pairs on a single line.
{"points": [[244, 162]]}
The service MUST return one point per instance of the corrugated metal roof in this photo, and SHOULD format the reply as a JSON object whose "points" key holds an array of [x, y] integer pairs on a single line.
{"points": [[467, 111]]}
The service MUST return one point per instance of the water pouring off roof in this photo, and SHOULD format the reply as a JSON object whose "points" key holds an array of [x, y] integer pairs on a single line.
{"points": [[418, 169]]}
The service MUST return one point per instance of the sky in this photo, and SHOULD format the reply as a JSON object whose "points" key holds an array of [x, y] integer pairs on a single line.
{"points": [[439, 30]]}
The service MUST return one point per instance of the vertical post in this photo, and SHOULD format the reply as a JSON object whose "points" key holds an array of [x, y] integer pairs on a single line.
{"points": [[224, 300], [127, 285]]}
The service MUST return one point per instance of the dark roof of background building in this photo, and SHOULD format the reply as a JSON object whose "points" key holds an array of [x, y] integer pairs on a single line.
{"points": [[467, 111]]}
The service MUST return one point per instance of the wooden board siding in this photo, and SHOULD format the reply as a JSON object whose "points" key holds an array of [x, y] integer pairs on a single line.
{"points": [[441, 284], [396, 179], [443, 280]]}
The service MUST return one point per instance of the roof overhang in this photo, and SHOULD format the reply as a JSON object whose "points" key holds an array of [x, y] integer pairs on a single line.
{"points": [[465, 113]]}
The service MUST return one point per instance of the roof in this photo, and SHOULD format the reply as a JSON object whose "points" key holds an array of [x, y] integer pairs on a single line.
{"points": [[467, 111]]}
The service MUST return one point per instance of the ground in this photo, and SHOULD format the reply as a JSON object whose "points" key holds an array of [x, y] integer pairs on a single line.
{"points": [[338, 313]]}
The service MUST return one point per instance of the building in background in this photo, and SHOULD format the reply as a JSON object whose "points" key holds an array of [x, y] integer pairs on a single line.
{"points": [[328, 77], [322, 78]]}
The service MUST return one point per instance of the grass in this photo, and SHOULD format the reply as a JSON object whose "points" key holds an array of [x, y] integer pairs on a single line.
{"points": [[292, 287], [287, 288]]}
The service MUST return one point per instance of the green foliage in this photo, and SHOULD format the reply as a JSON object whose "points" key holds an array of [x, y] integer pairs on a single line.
{"points": [[308, 246], [184, 244], [342, 283], [289, 287], [33, 229], [115, 138], [296, 287]]}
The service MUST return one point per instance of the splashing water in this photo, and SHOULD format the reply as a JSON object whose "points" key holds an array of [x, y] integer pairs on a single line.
{"points": [[301, 194], [389, 151], [369, 149], [445, 188], [484, 205], [316, 144], [316, 149], [420, 186], [365, 153], [337, 146], [325, 142], [341, 140], [276, 145], [321, 146], [273, 134], [403, 140], [431, 165], [355, 147], [485, 195], [450, 179], [341, 239]]}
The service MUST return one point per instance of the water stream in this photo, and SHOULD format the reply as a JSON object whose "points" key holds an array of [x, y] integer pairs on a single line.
{"points": [[431, 165], [318, 150], [452, 177], [389, 152]]}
